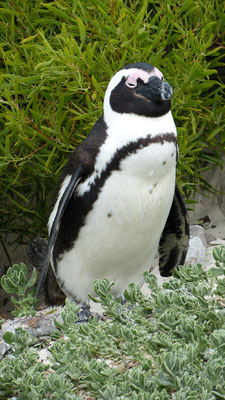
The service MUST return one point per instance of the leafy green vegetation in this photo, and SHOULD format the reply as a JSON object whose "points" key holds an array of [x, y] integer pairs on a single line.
{"points": [[167, 345], [57, 58], [15, 282]]}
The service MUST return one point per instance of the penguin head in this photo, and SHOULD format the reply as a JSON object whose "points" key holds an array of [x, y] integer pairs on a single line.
{"points": [[140, 89]]}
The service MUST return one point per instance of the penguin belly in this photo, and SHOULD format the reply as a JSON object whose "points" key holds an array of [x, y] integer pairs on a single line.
{"points": [[122, 230]]}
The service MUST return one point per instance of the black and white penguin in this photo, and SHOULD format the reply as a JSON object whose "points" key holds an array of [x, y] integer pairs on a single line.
{"points": [[117, 202]]}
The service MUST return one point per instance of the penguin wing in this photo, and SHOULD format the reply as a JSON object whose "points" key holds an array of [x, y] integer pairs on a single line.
{"points": [[173, 243], [68, 191]]}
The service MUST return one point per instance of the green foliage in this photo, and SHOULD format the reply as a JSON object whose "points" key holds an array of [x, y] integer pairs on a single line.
{"points": [[15, 281], [21, 339], [171, 343], [69, 317], [57, 58], [1, 322], [219, 256]]}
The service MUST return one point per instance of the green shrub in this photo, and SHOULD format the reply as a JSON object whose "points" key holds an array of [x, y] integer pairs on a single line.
{"points": [[56, 60]]}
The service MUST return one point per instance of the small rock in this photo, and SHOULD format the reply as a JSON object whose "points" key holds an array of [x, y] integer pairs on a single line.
{"points": [[197, 245]]}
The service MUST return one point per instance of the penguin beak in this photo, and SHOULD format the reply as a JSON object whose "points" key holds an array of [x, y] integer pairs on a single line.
{"points": [[166, 91], [155, 90]]}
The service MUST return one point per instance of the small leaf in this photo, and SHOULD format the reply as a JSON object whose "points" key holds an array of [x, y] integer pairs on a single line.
{"points": [[32, 279], [8, 337], [81, 29], [212, 272]]}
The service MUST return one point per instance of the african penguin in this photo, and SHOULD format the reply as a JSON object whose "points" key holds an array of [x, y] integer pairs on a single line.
{"points": [[117, 202]]}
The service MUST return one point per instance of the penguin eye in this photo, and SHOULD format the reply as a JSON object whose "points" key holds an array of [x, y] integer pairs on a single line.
{"points": [[162, 78], [130, 84]]}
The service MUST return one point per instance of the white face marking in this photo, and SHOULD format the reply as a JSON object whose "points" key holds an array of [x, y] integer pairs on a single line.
{"points": [[158, 73]]}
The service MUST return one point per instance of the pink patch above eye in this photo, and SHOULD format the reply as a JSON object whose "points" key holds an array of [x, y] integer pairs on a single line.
{"points": [[132, 79], [143, 75]]}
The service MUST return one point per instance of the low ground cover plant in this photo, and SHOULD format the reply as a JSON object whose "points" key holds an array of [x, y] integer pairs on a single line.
{"points": [[168, 345]]}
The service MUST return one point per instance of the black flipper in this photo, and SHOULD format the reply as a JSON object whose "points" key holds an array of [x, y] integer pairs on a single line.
{"points": [[74, 180], [173, 243]]}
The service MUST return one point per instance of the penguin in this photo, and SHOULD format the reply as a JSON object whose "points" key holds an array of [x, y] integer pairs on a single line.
{"points": [[117, 203]]}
